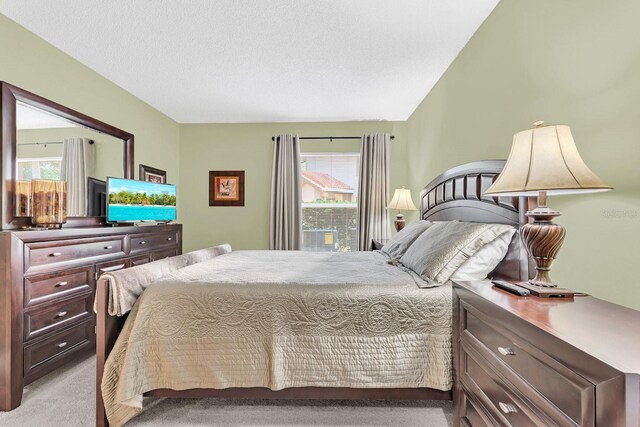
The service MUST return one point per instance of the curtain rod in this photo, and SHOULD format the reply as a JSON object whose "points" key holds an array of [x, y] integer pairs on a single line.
{"points": [[47, 143], [330, 138]]}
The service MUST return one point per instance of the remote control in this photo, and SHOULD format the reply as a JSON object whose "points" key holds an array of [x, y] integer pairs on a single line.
{"points": [[510, 287]]}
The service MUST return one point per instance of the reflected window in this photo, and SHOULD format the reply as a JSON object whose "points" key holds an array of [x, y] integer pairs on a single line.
{"points": [[39, 168]]}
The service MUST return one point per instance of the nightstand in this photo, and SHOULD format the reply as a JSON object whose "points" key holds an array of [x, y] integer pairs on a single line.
{"points": [[377, 244], [539, 361]]}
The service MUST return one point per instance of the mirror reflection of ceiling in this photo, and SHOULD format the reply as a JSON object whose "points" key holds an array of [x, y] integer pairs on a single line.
{"points": [[28, 117]]}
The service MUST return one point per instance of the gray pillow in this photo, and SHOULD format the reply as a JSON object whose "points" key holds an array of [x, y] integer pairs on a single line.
{"points": [[398, 244], [438, 252]]}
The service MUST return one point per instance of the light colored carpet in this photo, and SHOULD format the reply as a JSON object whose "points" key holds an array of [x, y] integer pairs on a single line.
{"points": [[67, 398]]}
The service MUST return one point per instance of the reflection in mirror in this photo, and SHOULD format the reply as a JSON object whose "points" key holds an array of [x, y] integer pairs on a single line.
{"points": [[52, 147]]}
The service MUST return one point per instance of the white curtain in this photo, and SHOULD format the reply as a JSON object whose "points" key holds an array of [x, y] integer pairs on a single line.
{"points": [[78, 163], [285, 225], [373, 193]]}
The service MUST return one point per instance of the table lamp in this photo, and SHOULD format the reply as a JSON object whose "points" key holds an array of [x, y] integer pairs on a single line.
{"points": [[401, 201], [544, 161]]}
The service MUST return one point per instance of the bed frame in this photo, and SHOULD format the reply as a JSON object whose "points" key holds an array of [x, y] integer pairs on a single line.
{"points": [[457, 194]]}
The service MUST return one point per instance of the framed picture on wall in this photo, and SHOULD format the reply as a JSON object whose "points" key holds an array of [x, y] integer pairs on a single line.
{"points": [[147, 173], [226, 188]]}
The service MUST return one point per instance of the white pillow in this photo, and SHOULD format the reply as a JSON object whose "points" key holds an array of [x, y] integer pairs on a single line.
{"points": [[398, 244], [486, 259], [442, 248]]}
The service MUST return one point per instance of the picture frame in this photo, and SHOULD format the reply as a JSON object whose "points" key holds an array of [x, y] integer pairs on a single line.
{"points": [[226, 188], [151, 174]]}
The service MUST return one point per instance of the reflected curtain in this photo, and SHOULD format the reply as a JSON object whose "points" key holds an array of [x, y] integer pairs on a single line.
{"points": [[373, 191], [78, 163], [285, 225]]}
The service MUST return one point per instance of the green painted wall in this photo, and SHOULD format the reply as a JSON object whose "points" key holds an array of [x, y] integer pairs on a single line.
{"points": [[566, 62], [29, 62], [248, 147]]}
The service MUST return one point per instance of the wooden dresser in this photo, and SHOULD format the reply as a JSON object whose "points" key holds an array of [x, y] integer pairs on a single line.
{"points": [[530, 361], [47, 287]]}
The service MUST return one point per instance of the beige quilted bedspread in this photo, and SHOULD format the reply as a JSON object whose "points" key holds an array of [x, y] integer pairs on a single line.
{"points": [[281, 319]]}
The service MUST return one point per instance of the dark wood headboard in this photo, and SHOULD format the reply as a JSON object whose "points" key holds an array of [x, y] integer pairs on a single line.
{"points": [[458, 194]]}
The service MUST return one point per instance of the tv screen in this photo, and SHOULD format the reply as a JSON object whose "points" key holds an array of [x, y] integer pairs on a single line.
{"points": [[131, 201]]}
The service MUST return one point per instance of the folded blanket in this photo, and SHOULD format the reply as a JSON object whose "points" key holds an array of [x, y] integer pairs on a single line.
{"points": [[125, 286]]}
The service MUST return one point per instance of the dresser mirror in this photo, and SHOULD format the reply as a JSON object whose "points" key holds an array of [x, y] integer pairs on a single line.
{"points": [[45, 140]]}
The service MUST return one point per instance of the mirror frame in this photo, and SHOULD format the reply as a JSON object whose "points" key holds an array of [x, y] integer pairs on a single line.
{"points": [[12, 94]]}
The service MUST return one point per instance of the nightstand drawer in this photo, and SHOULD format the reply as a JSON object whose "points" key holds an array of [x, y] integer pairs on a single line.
{"points": [[569, 392], [503, 404], [471, 415]]}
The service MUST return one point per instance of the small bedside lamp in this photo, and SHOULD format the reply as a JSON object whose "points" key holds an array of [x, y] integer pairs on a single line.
{"points": [[544, 161], [401, 201]]}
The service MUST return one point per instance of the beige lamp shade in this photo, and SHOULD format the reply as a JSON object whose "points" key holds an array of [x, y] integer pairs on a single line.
{"points": [[545, 158], [401, 200]]}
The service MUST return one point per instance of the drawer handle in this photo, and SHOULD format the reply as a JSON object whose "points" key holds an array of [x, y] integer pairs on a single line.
{"points": [[60, 284], [61, 314], [108, 247], [56, 254], [143, 243], [62, 344], [169, 239], [507, 408], [506, 351]]}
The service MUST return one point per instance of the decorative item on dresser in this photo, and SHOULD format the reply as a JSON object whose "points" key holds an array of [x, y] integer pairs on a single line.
{"points": [[530, 361], [48, 289], [401, 201], [544, 161]]}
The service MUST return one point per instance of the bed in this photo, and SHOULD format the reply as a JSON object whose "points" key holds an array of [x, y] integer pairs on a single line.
{"points": [[242, 324]]}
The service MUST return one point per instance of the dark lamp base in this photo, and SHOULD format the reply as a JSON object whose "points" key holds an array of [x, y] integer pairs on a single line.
{"points": [[399, 222], [543, 240]]}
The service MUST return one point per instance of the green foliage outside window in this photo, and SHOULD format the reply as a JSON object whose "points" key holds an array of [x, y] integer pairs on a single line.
{"points": [[128, 198], [343, 220]]}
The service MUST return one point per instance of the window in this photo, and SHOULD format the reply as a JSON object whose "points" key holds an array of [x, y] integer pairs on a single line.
{"points": [[329, 201], [39, 168]]}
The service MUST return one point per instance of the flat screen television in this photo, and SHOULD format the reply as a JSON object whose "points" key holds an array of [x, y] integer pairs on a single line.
{"points": [[137, 201]]}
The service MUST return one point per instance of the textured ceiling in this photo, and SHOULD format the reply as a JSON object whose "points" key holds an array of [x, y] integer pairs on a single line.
{"points": [[206, 61]]}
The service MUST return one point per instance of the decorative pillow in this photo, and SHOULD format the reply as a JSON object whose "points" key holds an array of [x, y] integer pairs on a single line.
{"points": [[438, 252], [398, 244], [486, 259]]}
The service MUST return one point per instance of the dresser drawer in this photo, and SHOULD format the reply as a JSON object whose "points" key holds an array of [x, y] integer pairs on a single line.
{"points": [[46, 287], [148, 242], [52, 317], [504, 405], [140, 260], [48, 255], [571, 394], [46, 355], [164, 254]]}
